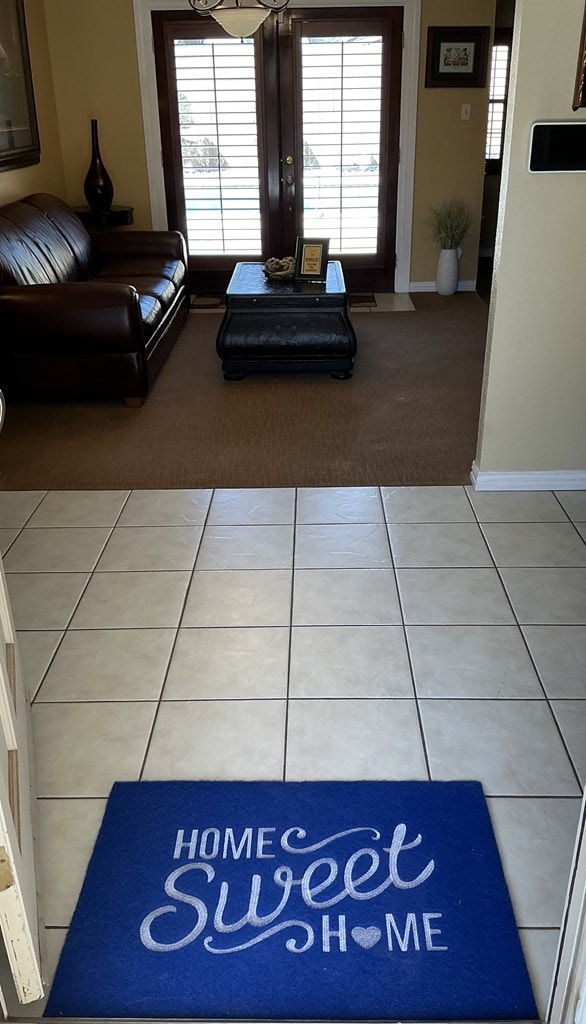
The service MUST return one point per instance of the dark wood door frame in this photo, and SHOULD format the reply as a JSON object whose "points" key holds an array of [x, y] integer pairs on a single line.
{"points": [[361, 273], [279, 112], [213, 278]]}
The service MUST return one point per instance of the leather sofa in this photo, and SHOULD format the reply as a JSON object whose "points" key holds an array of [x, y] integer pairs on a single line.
{"points": [[85, 316]]}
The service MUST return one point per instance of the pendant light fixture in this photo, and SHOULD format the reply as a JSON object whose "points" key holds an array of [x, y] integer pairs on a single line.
{"points": [[239, 18]]}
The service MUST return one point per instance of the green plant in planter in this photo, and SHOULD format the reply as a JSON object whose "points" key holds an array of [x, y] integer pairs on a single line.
{"points": [[449, 222]]}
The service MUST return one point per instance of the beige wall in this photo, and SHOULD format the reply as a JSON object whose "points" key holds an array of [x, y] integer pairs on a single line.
{"points": [[449, 155], [95, 74], [48, 175], [534, 403]]}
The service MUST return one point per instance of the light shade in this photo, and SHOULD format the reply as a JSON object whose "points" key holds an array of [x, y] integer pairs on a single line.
{"points": [[240, 21]]}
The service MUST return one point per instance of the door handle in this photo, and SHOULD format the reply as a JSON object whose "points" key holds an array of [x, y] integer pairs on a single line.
{"points": [[290, 186], [289, 183]]}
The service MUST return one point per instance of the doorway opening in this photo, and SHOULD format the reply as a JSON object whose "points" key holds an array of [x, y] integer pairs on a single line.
{"points": [[293, 132], [500, 66]]}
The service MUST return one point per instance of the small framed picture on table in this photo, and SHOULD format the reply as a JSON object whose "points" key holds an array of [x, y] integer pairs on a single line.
{"points": [[311, 259]]}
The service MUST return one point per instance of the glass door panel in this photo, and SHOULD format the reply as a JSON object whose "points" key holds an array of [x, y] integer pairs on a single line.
{"points": [[341, 119], [216, 99], [341, 77]]}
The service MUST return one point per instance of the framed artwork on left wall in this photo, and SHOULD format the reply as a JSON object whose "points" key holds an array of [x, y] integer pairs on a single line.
{"points": [[19, 133], [580, 90]]}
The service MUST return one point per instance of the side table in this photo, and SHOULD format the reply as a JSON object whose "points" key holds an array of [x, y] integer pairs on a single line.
{"points": [[285, 325], [115, 217]]}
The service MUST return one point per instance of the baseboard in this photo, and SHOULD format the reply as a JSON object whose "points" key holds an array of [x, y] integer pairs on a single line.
{"points": [[554, 480], [429, 286]]}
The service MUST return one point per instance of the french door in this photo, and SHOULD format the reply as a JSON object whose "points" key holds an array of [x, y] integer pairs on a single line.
{"points": [[292, 132]]}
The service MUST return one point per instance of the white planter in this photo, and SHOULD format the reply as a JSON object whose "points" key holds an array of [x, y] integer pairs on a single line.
{"points": [[448, 271]]}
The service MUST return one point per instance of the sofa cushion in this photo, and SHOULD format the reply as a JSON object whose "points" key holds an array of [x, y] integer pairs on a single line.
{"points": [[133, 267], [69, 226], [32, 251], [150, 313], [19, 264], [158, 287]]}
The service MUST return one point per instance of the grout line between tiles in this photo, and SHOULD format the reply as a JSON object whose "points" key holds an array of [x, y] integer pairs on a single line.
{"points": [[288, 694], [62, 797], [33, 696], [551, 711], [576, 797], [19, 530], [567, 514], [518, 626], [409, 658], [31, 514], [64, 631], [174, 644], [73, 526], [77, 701], [321, 625], [304, 697]]}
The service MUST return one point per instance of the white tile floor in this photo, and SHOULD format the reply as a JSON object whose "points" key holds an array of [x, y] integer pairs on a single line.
{"points": [[305, 634]]}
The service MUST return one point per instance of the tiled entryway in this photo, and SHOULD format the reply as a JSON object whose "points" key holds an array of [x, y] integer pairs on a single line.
{"points": [[362, 633]]}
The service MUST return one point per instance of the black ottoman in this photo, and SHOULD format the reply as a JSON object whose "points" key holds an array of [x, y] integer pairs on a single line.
{"points": [[285, 325]]}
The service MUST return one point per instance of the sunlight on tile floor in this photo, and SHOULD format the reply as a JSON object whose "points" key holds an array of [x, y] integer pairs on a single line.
{"points": [[318, 633]]}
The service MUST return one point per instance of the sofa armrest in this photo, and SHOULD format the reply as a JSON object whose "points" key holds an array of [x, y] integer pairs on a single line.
{"points": [[166, 244], [81, 316]]}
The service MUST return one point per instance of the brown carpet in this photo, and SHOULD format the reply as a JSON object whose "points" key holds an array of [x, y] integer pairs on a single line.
{"points": [[409, 416]]}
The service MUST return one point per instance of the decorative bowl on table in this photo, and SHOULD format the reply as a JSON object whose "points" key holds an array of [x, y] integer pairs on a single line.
{"points": [[280, 270]]}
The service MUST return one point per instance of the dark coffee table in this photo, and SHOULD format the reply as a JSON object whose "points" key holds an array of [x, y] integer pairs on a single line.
{"points": [[285, 325]]}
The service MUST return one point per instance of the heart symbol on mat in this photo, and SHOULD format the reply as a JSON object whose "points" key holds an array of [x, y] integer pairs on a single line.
{"points": [[366, 937]]}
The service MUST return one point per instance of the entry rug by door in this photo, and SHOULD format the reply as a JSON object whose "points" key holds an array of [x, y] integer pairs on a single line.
{"points": [[295, 901]]}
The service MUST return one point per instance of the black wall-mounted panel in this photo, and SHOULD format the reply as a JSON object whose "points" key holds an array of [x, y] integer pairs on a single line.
{"points": [[558, 146]]}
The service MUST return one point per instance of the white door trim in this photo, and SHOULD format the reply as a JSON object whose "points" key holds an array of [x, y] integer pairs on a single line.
{"points": [[567, 1001], [409, 87], [19, 923]]}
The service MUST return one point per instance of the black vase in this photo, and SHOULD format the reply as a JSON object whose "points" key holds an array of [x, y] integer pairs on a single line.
{"points": [[97, 187]]}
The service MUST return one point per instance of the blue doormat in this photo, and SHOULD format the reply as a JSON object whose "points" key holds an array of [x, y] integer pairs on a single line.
{"points": [[299, 901]]}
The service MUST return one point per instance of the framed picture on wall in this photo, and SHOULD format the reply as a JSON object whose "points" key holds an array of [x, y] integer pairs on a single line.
{"points": [[580, 90], [19, 136], [457, 56]]}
